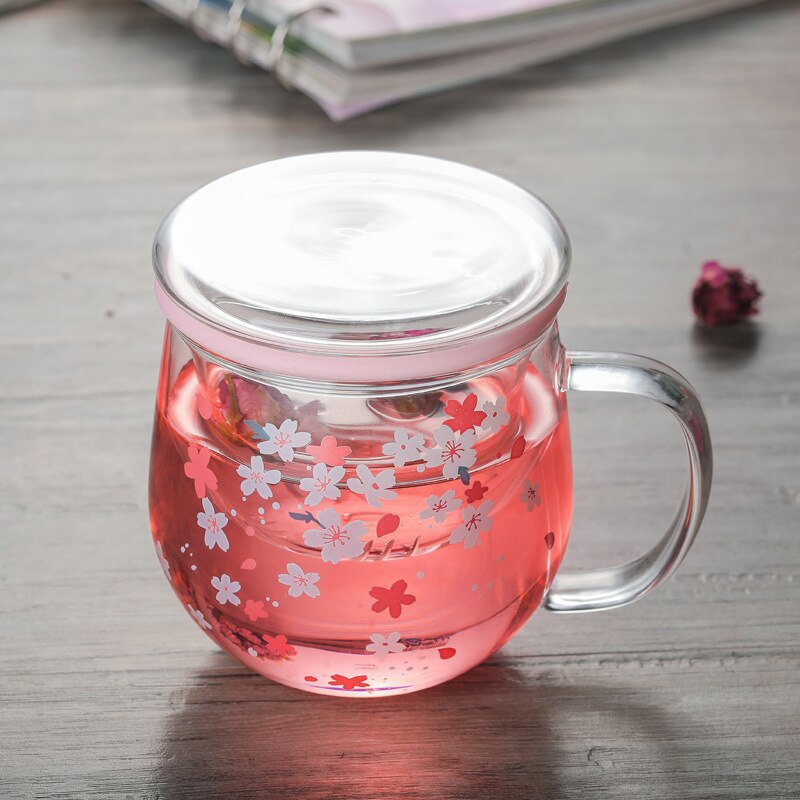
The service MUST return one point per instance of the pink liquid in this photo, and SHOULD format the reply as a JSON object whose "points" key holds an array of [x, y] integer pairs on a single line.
{"points": [[454, 606]]}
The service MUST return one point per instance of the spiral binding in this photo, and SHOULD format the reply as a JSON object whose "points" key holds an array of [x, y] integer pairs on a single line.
{"points": [[233, 27]]}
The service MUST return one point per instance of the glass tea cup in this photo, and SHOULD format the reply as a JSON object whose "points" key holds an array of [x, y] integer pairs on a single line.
{"points": [[361, 478]]}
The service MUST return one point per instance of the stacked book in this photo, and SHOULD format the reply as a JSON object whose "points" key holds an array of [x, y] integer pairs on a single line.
{"points": [[352, 56]]}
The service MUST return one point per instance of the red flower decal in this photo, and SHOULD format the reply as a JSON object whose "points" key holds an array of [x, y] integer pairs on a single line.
{"points": [[329, 452], [518, 448], [255, 610], [387, 524], [475, 493], [393, 598], [464, 416], [359, 682], [722, 295], [203, 406], [197, 469], [278, 647]]}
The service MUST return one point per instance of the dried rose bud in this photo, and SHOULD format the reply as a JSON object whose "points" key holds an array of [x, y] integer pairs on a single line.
{"points": [[723, 295]]}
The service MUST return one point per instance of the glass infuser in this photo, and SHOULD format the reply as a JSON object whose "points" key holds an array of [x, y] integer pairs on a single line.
{"points": [[361, 476]]}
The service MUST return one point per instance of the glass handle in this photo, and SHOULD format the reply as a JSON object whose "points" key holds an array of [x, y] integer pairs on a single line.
{"points": [[595, 589]]}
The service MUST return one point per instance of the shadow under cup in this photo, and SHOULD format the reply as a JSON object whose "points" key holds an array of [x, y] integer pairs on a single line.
{"points": [[360, 544]]}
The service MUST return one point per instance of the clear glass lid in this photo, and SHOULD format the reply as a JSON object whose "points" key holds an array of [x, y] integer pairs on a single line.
{"points": [[359, 254]]}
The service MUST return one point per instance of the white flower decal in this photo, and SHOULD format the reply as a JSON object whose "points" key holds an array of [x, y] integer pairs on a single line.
{"points": [[382, 646], [375, 488], [322, 485], [198, 617], [226, 589], [162, 559], [337, 541], [454, 451], [496, 415], [530, 495], [476, 521], [284, 440], [213, 523], [440, 507], [300, 582], [404, 448], [257, 478]]}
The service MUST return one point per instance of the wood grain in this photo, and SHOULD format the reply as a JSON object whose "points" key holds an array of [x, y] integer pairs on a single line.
{"points": [[658, 153]]}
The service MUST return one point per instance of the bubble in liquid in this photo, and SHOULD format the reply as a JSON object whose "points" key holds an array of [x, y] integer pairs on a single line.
{"points": [[194, 567], [261, 509], [263, 522], [276, 505], [275, 603], [420, 468], [233, 512]]}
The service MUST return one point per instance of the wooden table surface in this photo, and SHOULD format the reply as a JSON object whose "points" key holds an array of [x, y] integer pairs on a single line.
{"points": [[658, 153]]}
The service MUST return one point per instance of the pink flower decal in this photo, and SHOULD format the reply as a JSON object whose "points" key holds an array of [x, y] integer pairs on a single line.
{"points": [[464, 416], [198, 617], [475, 522], [723, 295], [393, 598], [254, 609], [453, 451], [404, 448], [530, 495], [279, 647], [376, 488], [213, 523], [381, 646], [322, 485], [198, 470], [283, 441], [359, 682], [439, 506], [329, 452], [496, 415], [336, 539], [475, 493], [226, 589], [257, 478]]}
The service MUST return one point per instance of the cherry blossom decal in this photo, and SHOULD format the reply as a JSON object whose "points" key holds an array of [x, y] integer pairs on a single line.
{"points": [[322, 484], [299, 582], [439, 506], [198, 470], [213, 523], [226, 589], [359, 682], [198, 617], [382, 646], [279, 647], [496, 415], [376, 488], [329, 452], [393, 598], [404, 448], [475, 522], [257, 478], [464, 417], [530, 495], [162, 559], [475, 493], [453, 451], [336, 539], [283, 441], [254, 609]]}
